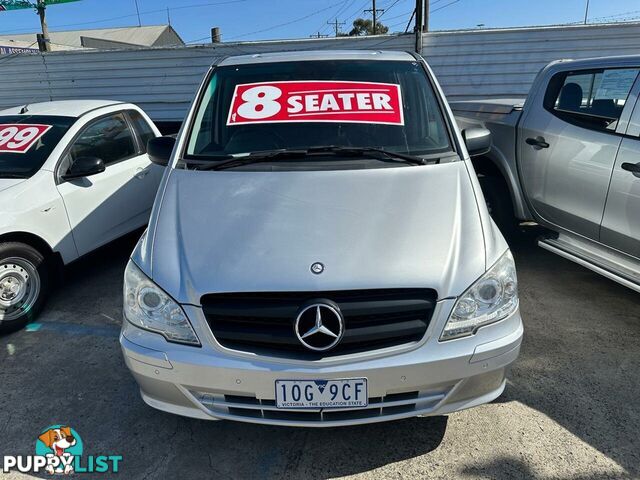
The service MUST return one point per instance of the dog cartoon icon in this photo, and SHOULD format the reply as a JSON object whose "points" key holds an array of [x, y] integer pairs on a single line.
{"points": [[59, 439]]}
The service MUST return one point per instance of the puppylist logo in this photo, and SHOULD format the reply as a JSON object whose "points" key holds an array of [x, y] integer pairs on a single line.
{"points": [[59, 451]]}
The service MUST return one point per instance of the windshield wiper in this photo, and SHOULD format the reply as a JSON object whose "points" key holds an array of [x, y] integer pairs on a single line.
{"points": [[269, 155], [230, 161], [370, 151]]}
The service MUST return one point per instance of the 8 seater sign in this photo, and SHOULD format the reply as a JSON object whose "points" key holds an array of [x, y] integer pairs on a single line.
{"points": [[20, 137], [316, 101]]}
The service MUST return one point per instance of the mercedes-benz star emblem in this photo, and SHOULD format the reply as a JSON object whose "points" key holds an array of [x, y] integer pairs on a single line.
{"points": [[319, 326], [317, 268]]}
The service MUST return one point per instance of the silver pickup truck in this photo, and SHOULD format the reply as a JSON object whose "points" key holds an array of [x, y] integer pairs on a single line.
{"points": [[568, 158]]}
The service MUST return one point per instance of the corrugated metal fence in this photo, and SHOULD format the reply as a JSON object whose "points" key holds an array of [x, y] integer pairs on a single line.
{"points": [[503, 63], [161, 80], [468, 64]]}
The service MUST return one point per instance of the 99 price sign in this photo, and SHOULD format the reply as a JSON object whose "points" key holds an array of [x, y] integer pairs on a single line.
{"points": [[20, 137]]}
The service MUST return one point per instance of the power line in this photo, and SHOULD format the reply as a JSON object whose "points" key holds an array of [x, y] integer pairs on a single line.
{"points": [[138, 13], [345, 7], [135, 15], [586, 12], [413, 12], [410, 20], [357, 12], [273, 27], [389, 8], [444, 6], [398, 16]]}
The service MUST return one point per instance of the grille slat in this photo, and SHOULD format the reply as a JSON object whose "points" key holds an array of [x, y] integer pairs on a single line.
{"points": [[263, 322], [249, 407], [375, 333]]}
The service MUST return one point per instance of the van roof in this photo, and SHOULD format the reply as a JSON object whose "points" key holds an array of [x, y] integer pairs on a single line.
{"points": [[308, 55]]}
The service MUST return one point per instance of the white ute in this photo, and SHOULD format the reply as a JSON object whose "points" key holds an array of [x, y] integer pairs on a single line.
{"points": [[74, 175]]}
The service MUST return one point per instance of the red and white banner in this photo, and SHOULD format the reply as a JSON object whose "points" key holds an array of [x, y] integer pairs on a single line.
{"points": [[316, 101], [20, 137]]}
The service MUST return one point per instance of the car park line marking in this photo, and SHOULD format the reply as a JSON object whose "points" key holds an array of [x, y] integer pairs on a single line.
{"points": [[111, 319], [75, 329]]}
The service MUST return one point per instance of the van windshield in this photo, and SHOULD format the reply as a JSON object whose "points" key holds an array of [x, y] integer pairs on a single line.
{"points": [[26, 141], [387, 105]]}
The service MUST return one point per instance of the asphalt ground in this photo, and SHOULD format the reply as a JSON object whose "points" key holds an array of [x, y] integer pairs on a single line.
{"points": [[571, 409]]}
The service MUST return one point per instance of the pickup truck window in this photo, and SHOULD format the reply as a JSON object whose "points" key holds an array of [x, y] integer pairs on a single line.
{"points": [[590, 98]]}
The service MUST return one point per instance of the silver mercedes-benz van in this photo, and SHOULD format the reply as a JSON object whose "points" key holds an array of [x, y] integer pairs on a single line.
{"points": [[319, 252]]}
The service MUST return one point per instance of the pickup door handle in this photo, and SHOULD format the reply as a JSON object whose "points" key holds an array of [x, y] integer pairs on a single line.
{"points": [[537, 143], [632, 167]]}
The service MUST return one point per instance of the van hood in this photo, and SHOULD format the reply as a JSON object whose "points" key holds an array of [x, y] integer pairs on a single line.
{"points": [[240, 231]]}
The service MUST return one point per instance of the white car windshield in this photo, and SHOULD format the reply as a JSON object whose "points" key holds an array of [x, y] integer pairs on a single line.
{"points": [[26, 141]]}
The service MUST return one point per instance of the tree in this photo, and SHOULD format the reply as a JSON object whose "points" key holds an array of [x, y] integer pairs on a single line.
{"points": [[363, 26]]}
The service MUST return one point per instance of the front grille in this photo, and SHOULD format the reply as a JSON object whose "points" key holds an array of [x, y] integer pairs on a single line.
{"points": [[252, 409], [264, 322]]}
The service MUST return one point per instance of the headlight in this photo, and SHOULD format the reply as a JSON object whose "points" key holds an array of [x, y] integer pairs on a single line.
{"points": [[493, 297], [147, 306]]}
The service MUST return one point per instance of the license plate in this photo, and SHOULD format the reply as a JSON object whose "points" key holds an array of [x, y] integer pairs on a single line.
{"points": [[340, 393]]}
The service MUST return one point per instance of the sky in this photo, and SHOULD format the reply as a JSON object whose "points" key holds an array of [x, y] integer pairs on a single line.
{"points": [[243, 20]]}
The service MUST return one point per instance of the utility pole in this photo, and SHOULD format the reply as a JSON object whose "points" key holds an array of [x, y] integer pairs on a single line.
{"points": [[336, 25], [216, 36], [168, 17], [138, 12], [586, 12], [318, 35], [425, 18], [422, 22], [374, 11], [419, 11], [44, 43]]}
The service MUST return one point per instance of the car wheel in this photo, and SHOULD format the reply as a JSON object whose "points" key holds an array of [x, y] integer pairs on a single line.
{"points": [[24, 283], [498, 201]]}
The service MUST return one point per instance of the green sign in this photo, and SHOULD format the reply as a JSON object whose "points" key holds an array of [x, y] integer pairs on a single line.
{"points": [[22, 4], [14, 5], [53, 2]]}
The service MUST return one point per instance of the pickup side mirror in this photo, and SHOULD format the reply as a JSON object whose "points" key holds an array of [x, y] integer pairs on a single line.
{"points": [[159, 150], [84, 167], [477, 140]]}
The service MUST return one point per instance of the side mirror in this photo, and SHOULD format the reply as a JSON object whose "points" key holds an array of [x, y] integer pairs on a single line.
{"points": [[84, 167], [159, 149], [477, 140]]}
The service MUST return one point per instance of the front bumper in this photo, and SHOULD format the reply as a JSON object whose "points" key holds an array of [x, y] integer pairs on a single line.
{"points": [[430, 378]]}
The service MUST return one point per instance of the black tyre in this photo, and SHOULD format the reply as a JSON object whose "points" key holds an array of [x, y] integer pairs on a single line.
{"points": [[498, 200], [24, 284]]}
